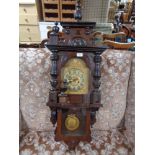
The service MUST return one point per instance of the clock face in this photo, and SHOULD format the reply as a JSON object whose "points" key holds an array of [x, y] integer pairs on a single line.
{"points": [[75, 79], [76, 74]]}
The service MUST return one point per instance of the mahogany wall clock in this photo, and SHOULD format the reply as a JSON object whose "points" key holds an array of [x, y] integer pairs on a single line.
{"points": [[75, 80]]}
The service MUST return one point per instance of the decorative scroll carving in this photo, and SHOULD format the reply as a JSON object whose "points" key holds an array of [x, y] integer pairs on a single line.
{"points": [[67, 30], [77, 34], [77, 42], [87, 31]]}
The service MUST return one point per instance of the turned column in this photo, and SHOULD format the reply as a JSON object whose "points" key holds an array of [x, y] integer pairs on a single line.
{"points": [[96, 78], [54, 58]]}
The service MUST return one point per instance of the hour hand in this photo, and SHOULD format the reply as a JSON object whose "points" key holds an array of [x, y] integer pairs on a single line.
{"points": [[73, 80]]}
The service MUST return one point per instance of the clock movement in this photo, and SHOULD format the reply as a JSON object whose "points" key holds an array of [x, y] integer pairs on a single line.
{"points": [[74, 96]]}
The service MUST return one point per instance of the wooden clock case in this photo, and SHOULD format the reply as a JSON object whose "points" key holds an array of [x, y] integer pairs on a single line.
{"points": [[75, 42]]}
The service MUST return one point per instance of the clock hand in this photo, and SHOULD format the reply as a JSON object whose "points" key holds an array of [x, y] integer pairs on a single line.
{"points": [[73, 80], [76, 79]]}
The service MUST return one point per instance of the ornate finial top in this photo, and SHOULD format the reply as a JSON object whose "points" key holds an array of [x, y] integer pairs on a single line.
{"points": [[78, 14], [56, 28]]}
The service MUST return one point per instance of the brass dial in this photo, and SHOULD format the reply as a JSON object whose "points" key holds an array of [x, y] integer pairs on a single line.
{"points": [[75, 79], [76, 74]]}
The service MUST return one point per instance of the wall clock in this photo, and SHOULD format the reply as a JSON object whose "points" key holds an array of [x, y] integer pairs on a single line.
{"points": [[74, 96]]}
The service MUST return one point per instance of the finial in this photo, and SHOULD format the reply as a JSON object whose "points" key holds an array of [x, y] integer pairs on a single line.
{"points": [[78, 14], [56, 28]]}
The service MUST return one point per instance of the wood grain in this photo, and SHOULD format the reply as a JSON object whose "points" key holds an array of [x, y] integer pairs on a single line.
{"points": [[117, 45]]}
